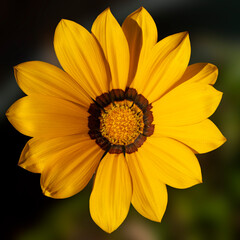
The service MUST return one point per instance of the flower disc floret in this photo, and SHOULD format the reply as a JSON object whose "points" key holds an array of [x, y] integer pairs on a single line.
{"points": [[121, 124]]}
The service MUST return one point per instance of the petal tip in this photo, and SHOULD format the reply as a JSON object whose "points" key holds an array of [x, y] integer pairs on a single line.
{"points": [[64, 20], [141, 12], [142, 9], [107, 227], [46, 193], [16, 72], [109, 230], [20, 164], [219, 94], [214, 70], [16, 67], [184, 36], [158, 218], [23, 165], [212, 66], [107, 11], [222, 141], [9, 112], [64, 23], [199, 179]]}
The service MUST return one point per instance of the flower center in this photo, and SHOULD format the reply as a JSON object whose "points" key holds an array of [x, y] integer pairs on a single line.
{"points": [[121, 122]]}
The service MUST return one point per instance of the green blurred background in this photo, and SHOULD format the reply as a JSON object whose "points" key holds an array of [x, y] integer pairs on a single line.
{"points": [[207, 211]]}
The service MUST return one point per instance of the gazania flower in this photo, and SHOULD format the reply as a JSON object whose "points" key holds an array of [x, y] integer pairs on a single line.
{"points": [[126, 108]]}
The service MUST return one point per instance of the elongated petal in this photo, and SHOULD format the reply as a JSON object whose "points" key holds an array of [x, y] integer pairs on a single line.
{"points": [[39, 151], [170, 161], [81, 56], [141, 33], [69, 170], [113, 41], [43, 78], [45, 116], [112, 192], [149, 194], [187, 104], [199, 73], [165, 65], [202, 137]]}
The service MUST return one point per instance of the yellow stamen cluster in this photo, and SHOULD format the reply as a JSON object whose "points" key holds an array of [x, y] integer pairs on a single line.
{"points": [[121, 123]]}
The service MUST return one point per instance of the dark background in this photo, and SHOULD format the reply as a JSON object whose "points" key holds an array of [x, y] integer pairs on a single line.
{"points": [[206, 211]]}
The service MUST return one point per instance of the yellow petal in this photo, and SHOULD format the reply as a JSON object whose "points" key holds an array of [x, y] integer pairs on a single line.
{"points": [[39, 151], [165, 65], [45, 116], [199, 73], [202, 137], [43, 78], [28, 160], [149, 194], [141, 33], [112, 192], [68, 171], [170, 161], [186, 104], [114, 44], [81, 56]]}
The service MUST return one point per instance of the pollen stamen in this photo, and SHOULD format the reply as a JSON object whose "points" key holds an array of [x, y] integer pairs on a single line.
{"points": [[121, 123]]}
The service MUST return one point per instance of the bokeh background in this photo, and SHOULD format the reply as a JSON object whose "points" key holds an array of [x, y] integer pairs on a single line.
{"points": [[207, 211]]}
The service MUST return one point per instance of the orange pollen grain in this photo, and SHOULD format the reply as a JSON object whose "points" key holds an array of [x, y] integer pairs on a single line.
{"points": [[121, 123]]}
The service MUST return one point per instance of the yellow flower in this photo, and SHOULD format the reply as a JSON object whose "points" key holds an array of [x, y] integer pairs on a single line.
{"points": [[126, 108]]}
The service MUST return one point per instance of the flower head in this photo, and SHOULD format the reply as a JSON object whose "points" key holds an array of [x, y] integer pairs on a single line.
{"points": [[126, 108]]}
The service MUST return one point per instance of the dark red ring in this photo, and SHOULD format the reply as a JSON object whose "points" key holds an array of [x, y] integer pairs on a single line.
{"points": [[116, 95]]}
